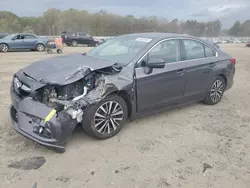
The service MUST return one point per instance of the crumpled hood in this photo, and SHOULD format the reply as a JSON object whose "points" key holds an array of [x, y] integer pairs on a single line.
{"points": [[64, 69]]}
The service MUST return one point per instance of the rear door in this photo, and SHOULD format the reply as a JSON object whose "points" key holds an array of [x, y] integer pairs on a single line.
{"points": [[82, 38], [200, 61], [161, 86], [85, 39], [30, 41]]}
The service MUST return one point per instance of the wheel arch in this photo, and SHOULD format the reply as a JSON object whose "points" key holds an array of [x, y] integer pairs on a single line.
{"points": [[224, 77], [5, 44], [40, 43], [126, 97]]}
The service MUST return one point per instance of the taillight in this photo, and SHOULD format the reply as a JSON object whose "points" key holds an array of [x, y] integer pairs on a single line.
{"points": [[233, 60]]}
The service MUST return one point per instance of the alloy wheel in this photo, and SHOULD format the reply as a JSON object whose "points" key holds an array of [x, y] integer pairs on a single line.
{"points": [[217, 90], [40, 47], [4, 48], [74, 43], [108, 117]]}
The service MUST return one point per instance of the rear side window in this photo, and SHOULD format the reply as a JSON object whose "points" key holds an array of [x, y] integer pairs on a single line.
{"points": [[209, 51], [29, 37], [193, 49], [82, 34]]}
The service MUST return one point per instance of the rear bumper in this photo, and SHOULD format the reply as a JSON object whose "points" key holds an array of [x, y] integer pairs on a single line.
{"points": [[28, 118], [230, 78]]}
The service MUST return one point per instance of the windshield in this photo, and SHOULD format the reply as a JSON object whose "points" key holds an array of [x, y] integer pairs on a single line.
{"points": [[120, 49], [9, 36]]}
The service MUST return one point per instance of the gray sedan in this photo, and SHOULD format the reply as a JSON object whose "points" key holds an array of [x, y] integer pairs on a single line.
{"points": [[124, 77], [22, 41]]}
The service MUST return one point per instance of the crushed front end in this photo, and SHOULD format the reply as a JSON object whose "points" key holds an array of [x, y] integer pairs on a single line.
{"points": [[47, 113]]}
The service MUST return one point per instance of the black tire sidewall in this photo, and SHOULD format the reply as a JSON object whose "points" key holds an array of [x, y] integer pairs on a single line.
{"points": [[88, 118], [208, 99]]}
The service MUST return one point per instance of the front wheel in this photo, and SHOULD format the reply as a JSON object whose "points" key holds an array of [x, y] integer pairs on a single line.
{"points": [[105, 119], [215, 91], [4, 48]]}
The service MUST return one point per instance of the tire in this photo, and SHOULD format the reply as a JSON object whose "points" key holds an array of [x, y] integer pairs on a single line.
{"points": [[40, 47], [4, 48], [74, 43], [101, 128], [49, 51], [217, 88], [59, 51], [59, 150]]}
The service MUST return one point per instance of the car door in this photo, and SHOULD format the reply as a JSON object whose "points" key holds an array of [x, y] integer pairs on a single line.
{"points": [[89, 39], [30, 41], [16, 42], [161, 86], [82, 38], [200, 63]]}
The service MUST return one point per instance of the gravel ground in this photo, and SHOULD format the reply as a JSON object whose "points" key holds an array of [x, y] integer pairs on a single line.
{"points": [[193, 146]]}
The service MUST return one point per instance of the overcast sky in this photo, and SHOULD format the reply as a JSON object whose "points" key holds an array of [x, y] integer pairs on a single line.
{"points": [[226, 10]]}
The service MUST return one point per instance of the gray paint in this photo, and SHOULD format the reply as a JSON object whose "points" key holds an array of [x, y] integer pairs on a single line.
{"points": [[177, 83], [64, 69]]}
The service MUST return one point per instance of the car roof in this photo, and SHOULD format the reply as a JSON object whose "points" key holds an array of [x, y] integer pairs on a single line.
{"points": [[155, 35], [22, 34]]}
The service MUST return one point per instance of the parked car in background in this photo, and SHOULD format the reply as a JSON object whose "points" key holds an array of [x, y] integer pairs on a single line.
{"points": [[3, 35], [236, 41], [23, 41], [124, 77], [75, 38]]}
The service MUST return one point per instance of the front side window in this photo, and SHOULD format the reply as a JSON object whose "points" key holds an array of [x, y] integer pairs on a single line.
{"points": [[19, 37], [193, 49], [168, 50]]}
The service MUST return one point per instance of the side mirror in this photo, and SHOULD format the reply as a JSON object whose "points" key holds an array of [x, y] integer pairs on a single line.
{"points": [[155, 63]]}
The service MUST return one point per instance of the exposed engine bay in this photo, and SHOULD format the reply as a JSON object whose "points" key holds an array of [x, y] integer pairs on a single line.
{"points": [[51, 96], [72, 97]]}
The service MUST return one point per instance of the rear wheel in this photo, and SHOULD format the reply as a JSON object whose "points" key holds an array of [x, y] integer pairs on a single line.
{"points": [[4, 48], [215, 91], [49, 51], [105, 119], [59, 51], [74, 43], [40, 47]]}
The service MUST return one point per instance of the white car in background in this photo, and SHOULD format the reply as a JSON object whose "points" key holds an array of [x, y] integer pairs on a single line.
{"points": [[236, 41]]}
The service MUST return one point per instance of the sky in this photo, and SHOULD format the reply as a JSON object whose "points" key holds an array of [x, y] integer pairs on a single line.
{"points": [[226, 10]]}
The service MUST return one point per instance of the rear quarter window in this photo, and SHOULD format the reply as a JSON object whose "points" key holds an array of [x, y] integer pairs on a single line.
{"points": [[209, 51]]}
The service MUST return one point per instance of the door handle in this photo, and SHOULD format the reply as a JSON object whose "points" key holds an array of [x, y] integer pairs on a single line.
{"points": [[211, 64], [181, 71]]}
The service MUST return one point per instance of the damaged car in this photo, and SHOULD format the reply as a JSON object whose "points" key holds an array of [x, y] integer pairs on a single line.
{"points": [[124, 77]]}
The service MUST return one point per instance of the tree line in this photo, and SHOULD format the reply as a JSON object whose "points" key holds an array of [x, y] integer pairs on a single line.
{"points": [[54, 21]]}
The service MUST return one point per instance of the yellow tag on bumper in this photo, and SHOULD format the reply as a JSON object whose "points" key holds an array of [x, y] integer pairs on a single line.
{"points": [[50, 115]]}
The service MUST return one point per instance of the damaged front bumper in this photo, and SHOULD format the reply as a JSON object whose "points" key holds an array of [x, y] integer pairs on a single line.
{"points": [[41, 123]]}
